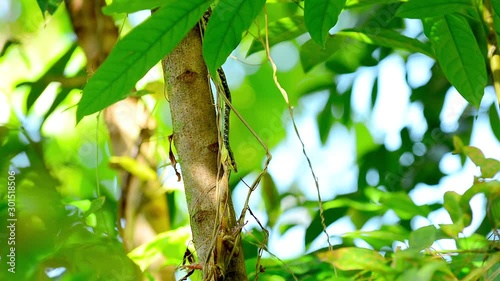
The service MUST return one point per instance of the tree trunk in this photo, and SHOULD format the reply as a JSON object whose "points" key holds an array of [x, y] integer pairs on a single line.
{"points": [[130, 125], [195, 136]]}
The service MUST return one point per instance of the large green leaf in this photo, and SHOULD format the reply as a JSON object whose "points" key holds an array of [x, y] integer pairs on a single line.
{"points": [[320, 16], [137, 52], [226, 25], [389, 38], [419, 9], [458, 55]]}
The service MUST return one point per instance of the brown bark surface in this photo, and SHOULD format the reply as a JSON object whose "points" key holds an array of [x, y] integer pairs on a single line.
{"points": [[195, 136]]}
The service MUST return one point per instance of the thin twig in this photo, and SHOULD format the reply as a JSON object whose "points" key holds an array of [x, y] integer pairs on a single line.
{"points": [[290, 111]]}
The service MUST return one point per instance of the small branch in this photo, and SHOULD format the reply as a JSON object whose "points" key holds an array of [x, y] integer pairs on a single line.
{"points": [[67, 82]]}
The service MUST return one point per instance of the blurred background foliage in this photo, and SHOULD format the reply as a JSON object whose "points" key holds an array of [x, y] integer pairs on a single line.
{"points": [[391, 213]]}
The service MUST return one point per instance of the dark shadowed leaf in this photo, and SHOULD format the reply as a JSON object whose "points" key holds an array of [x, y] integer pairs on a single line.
{"points": [[49, 6], [272, 200]]}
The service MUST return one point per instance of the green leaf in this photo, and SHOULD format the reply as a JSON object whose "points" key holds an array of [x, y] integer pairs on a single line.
{"points": [[473, 242], [494, 208], [403, 205], [490, 168], [325, 118], [135, 54], [491, 189], [423, 237], [312, 54], [351, 258], [343, 54], [334, 210], [350, 56], [363, 3], [320, 16], [331, 214], [419, 9], [131, 6], [452, 203], [494, 115], [496, 15], [450, 230], [427, 271], [95, 205], [229, 20], [271, 198], [475, 154], [458, 55], [458, 145], [49, 6], [83, 205], [388, 38], [140, 170], [379, 238], [364, 140], [316, 81], [172, 244], [279, 31]]}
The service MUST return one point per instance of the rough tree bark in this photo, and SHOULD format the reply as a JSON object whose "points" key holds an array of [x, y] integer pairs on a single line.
{"points": [[195, 136]]}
